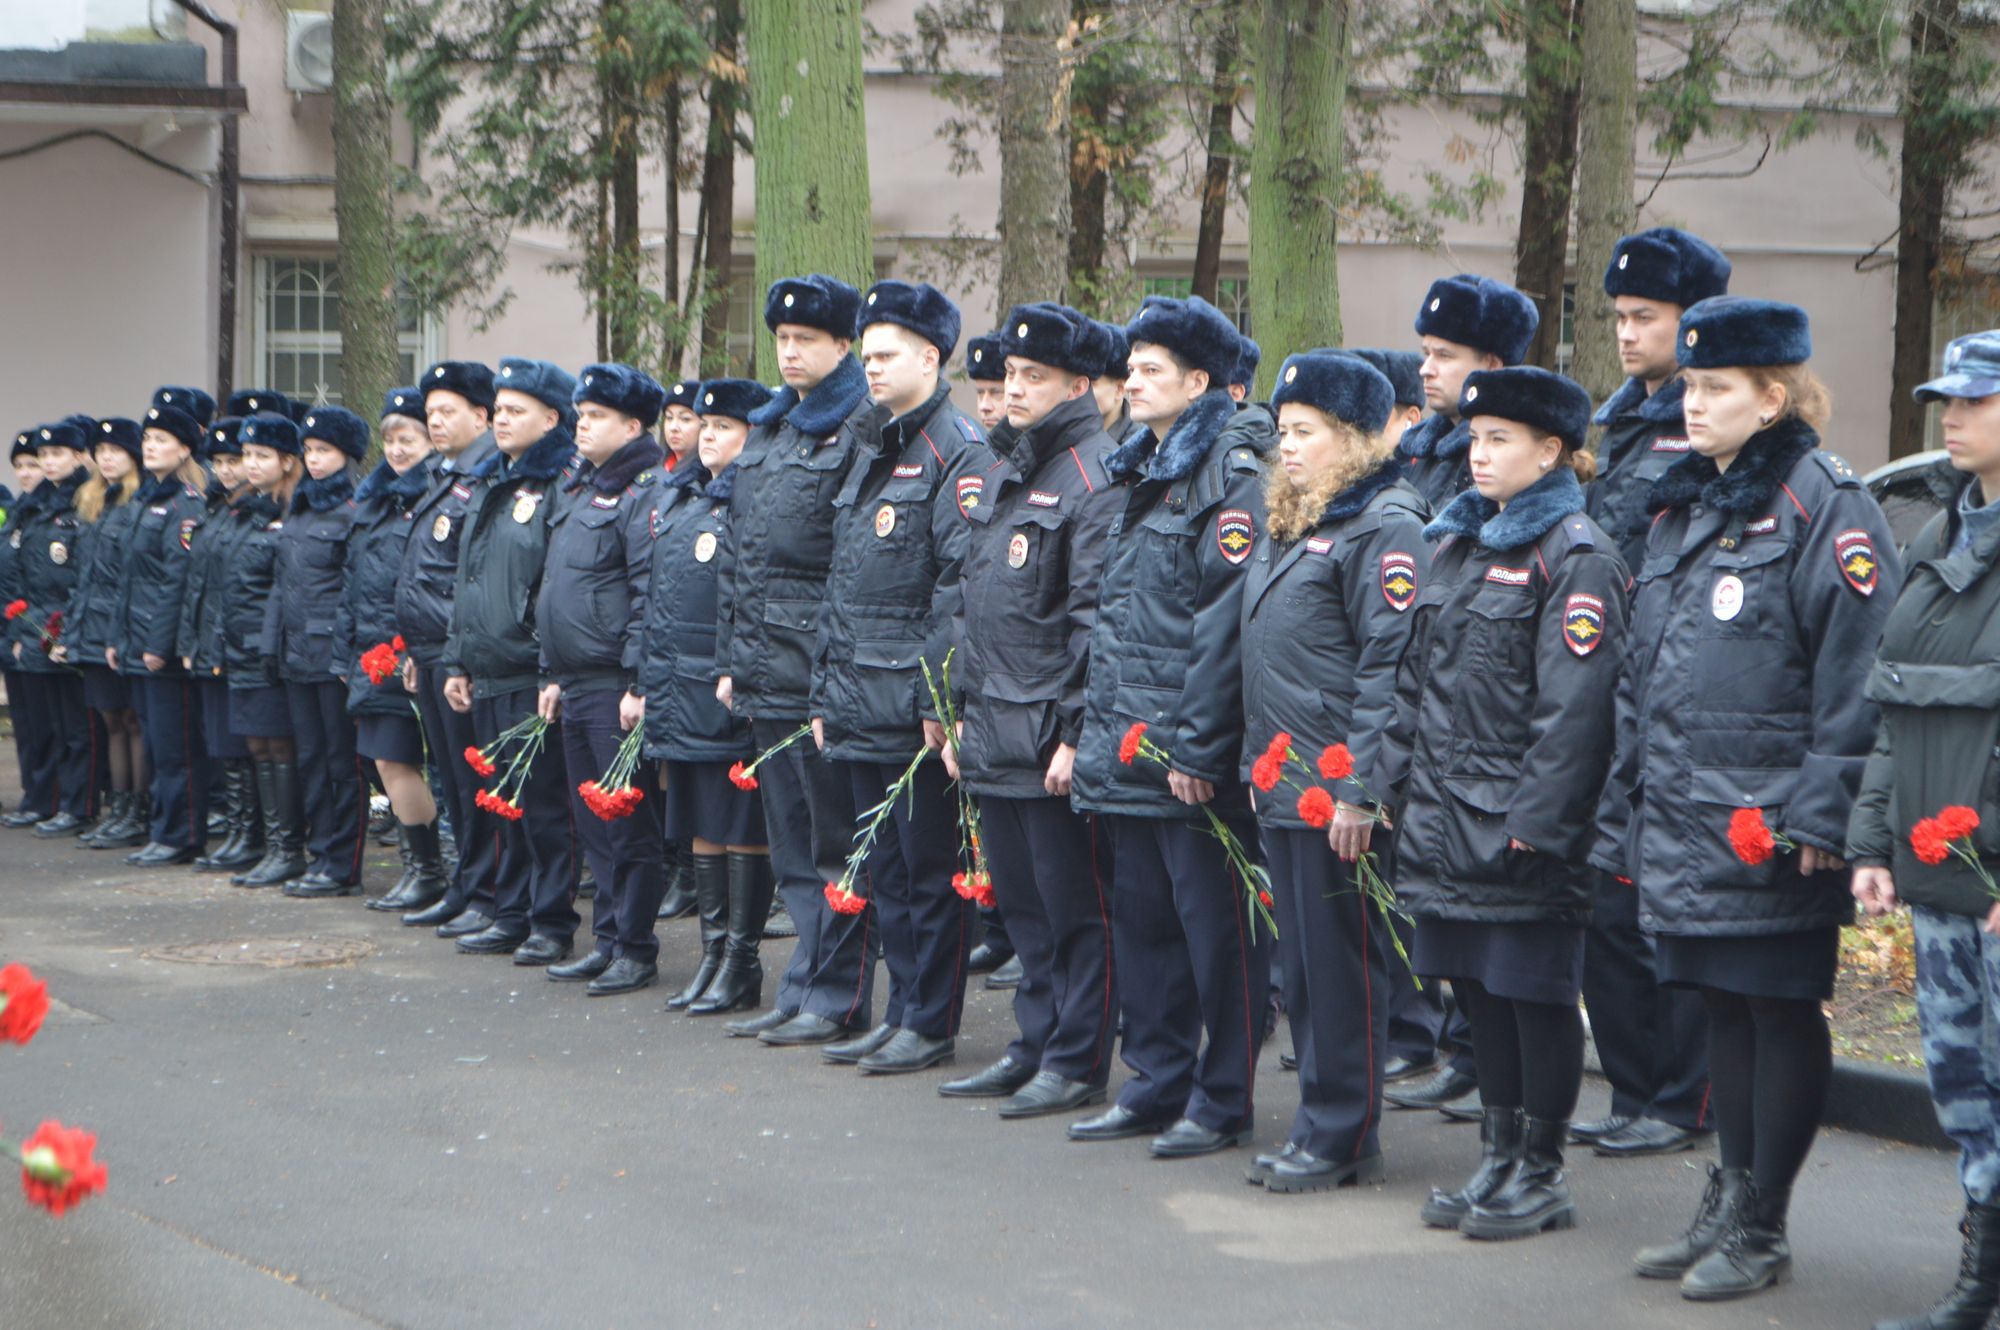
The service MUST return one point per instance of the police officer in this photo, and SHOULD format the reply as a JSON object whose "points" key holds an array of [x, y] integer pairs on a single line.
{"points": [[771, 584], [45, 533], [105, 516], [1768, 573], [457, 405], [1653, 1041], [1165, 652], [898, 543], [1107, 380], [687, 729], [1032, 566], [986, 371], [1326, 614], [491, 660], [680, 432], [1466, 323], [1248, 357], [387, 732], [590, 618], [34, 734]]}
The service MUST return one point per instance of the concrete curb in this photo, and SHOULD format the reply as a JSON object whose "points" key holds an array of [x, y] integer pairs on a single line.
{"points": [[1884, 1101]]}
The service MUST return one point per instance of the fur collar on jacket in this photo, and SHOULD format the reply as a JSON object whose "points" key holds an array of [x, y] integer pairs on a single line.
{"points": [[1745, 489], [820, 412], [1526, 519], [1186, 443]]}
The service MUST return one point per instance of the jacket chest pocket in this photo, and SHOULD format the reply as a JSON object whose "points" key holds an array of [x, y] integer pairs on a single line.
{"points": [[1166, 555], [325, 550], [1748, 591], [1034, 554], [901, 522], [594, 539], [1500, 634]]}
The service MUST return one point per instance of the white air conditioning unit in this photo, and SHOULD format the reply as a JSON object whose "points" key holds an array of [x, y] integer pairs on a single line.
{"points": [[308, 51]]}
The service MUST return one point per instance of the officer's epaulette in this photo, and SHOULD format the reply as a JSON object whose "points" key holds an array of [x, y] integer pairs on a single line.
{"points": [[1245, 459], [1836, 467], [1572, 533], [190, 491]]}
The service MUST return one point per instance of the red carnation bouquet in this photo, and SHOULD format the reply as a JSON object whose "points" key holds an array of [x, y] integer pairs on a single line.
{"points": [[52, 632], [518, 746], [613, 795], [381, 661], [1950, 833], [841, 894], [745, 778], [59, 1169], [1255, 878], [1754, 840], [15, 609], [974, 882]]}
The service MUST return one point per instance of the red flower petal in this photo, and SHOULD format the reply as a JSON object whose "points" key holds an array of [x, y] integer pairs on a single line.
{"points": [[16, 608], [57, 1168], [1336, 763], [27, 1003], [742, 779], [1957, 821], [1927, 838], [1128, 747], [1316, 807], [1750, 837]]}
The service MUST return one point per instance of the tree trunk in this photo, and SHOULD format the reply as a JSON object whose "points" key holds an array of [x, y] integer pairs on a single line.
{"points": [[1931, 156], [1296, 164], [718, 197], [1089, 184], [362, 206], [1607, 123], [1223, 88], [1034, 152], [670, 256], [621, 149], [812, 145], [1549, 124]]}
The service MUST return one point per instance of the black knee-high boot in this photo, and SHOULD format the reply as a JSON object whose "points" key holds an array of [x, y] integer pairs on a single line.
{"points": [[711, 891], [680, 900], [739, 983], [284, 827]]}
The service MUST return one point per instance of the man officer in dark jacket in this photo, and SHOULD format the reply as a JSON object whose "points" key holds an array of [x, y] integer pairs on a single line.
{"points": [[1466, 323], [1035, 553], [1653, 1041], [1164, 652], [590, 618], [492, 661], [771, 583]]}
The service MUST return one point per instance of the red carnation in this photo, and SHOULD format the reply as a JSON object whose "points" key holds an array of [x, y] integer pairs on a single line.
{"points": [[398, 645], [1957, 821], [1128, 747], [57, 1170], [477, 761], [507, 808], [844, 901], [1336, 763], [741, 779], [1750, 837], [980, 890], [1264, 898], [24, 1000], [1266, 771], [16, 608], [1927, 838], [1316, 807]]}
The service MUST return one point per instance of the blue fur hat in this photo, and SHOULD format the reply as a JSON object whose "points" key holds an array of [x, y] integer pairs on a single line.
{"points": [[275, 432], [1053, 335], [1480, 313], [632, 392], [222, 439], [406, 402], [1194, 330], [193, 403], [986, 359], [1535, 397], [338, 426], [549, 384], [1403, 369], [1116, 350], [177, 423], [298, 410], [60, 434], [468, 378], [918, 306], [685, 393], [119, 433], [735, 398], [249, 401], [1344, 387], [813, 301], [1729, 332], [1667, 265], [1246, 364]]}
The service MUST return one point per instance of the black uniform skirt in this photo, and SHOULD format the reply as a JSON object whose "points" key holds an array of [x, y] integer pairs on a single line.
{"points": [[700, 801], [1797, 965], [223, 744], [1526, 962], [260, 713], [389, 738], [105, 689]]}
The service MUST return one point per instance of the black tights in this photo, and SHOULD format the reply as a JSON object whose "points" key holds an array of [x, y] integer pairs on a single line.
{"points": [[1530, 1054], [125, 750], [1769, 1062], [271, 749]]}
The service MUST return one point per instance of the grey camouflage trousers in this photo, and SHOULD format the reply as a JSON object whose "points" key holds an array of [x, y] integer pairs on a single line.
{"points": [[1958, 1006]]}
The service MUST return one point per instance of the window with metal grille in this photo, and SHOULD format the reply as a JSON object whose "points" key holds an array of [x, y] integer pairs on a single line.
{"points": [[296, 328]]}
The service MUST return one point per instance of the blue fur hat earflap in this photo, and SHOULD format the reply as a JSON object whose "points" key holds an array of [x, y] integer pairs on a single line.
{"points": [[986, 359], [1053, 335], [626, 390], [1345, 387], [468, 378], [338, 426], [1531, 396], [918, 306], [813, 301], [1728, 332], [1480, 313], [177, 423], [1194, 330], [275, 432], [193, 403], [1667, 265], [737, 399]]}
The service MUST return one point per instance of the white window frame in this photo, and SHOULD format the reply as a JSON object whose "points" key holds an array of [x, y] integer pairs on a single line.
{"points": [[426, 344]]}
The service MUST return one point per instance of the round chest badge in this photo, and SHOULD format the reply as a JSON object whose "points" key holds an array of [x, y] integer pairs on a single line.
{"points": [[1017, 550], [441, 529], [524, 507], [885, 519], [1726, 602], [58, 552], [704, 547]]}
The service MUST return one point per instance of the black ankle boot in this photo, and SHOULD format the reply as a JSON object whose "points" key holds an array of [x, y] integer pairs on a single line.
{"points": [[739, 983], [1753, 1255], [115, 808], [1535, 1196], [423, 881], [680, 900], [1499, 1152], [1671, 1260], [284, 828], [1970, 1302], [711, 892], [134, 828]]}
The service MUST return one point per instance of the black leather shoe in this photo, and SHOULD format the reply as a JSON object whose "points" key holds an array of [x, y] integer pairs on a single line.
{"points": [[1288, 1061], [318, 886], [627, 974], [464, 924], [802, 1029], [850, 1051], [494, 941], [1049, 1093], [1261, 1166], [1448, 1085], [1461, 1110], [62, 824], [541, 949], [22, 817], [587, 966], [778, 923], [1007, 976], [998, 1081], [908, 1051], [986, 958], [1117, 1123], [755, 1026], [1408, 1069], [157, 855], [1188, 1138], [1591, 1130], [1649, 1136], [1301, 1171]]}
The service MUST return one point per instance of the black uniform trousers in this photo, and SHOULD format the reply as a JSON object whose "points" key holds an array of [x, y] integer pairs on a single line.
{"points": [[170, 720], [1189, 963], [809, 815], [1058, 907], [1338, 958], [334, 791], [1652, 1040], [536, 880], [926, 925], [625, 854], [448, 734], [65, 736]]}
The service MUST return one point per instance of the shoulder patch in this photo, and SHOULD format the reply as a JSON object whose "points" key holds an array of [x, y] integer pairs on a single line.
{"points": [[1583, 623], [1244, 459], [1319, 544], [1235, 534], [910, 471], [188, 524], [1854, 551], [1399, 580], [970, 488]]}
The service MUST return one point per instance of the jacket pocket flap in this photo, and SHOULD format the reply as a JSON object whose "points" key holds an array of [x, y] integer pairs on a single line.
{"points": [[1047, 518], [1488, 796], [1492, 604], [1152, 705], [798, 615], [688, 666], [906, 491], [1893, 683], [887, 655], [594, 517], [1019, 689], [1752, 553], [1743, 787]]}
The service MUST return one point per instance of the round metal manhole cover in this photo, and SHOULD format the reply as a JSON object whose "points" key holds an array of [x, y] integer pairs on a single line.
{"points": [[271, 953]]}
